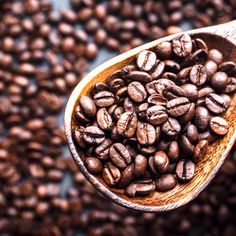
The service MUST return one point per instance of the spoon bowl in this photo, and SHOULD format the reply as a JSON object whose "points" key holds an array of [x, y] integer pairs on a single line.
{"points": [[221, 37]]}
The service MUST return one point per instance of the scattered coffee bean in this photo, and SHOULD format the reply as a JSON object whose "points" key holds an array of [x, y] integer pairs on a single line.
{"points": [[94, 165], [185, 170], [219, 125], [111, 174], [146, 60]]}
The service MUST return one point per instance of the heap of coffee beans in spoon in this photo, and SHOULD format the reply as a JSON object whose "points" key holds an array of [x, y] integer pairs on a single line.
{"points": [[146, 128]]}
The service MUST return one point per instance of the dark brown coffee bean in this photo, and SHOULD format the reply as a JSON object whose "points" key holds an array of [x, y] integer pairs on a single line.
{"points": [[93, 135], [231, 87], [198, 57], [172, 92], [128, 105], [140, 188], [104, 119], [146, 60], [140, 76], [188, 116], [127, 124], [158, 71], [186, 146], [119, 155], [207, 135], [78, 136], [219, 81], [178, 106], [158, 86], [198, 75], [172, 66], [146, 134], [142, 110], [156, 115], [183, 75], [127, 176], [199, 44], [170, 76], [182, 46], [137, 92], [80, 115], [88, 105], [192, 133], [227, 100], [202, 118], [164, 49], [202, 93], [111, 174], [185, 170], [165, 183], [211, 68], [157, 99], [229, 67], [215, 103], [161, 161], [190, 91], [219, 125], [173, 151], [216, 56], [171, 127], [99, 87], [115, 84], [102, 151], [94, 165], [104, 99], [140, 165], [200, 150]]}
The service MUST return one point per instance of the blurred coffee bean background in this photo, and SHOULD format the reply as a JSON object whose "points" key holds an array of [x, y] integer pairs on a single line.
{"points": [[46, 47]]}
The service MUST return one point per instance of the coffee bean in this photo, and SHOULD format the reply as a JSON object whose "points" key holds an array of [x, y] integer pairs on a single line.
{"points": [[219, 125], [158, 86], [127, 175], [188, 116], [229, 67], [190, 92], [171, 127], [172, 92], [198, 57], [215, 103], [172, 66], [207, 135], [199, 44], [227, 100], [78, 136], [93, 135], [140, 76], [111, 174], [94, 165], [231, 87], [146, 134], [142, 110], [183, 75], [170, 76], [200, 150], [192, 133], [119, 155], [104, 120], [80, 115], [127, 124], [104, 99], [173, 151], [219, 81], [198, 75], [165, 183], [161, 161], [186, 146], [88, 105], [158, 71], [164, 50], [140, 188], [185, 170], [115, 84], [146, 60], [128, 105], [137, 92], [215, 56], [99, 87], [157, 99], [182, 46], [156, 115], [102, 151], [140, 165], [178, 106], [211, 68], [202, 118]]}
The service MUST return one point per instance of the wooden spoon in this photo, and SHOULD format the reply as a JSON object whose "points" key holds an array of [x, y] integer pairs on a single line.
{"points": [[221, 37]]}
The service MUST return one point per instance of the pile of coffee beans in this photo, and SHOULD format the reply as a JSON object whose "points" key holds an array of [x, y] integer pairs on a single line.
{"points": [[44, 51], [147, 126]]}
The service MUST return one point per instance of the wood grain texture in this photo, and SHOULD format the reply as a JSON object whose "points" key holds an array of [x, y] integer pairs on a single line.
{"points": [[222, 37]]}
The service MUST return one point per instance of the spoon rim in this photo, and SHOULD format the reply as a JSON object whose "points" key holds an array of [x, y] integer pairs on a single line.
{"points": [[93, 179]]}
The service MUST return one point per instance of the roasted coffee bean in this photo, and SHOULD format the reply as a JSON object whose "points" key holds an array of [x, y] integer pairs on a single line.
{"points": [[99, 87], [171, 127], [80, 115], [142, 110], [140, 165], [219, 125], [227, 100], [199, 44], [104, 119], [200, 150], [198, 75], [202, 93], [127, 176], [178, 106], [156, 115], [119, 155], [192, 133], [158, 71], [219, 81], [185, 170], [231, 87], [164, 49], [190, 92], [211, 68], [137, 92], [93, 135], [146, 134], [146, 60], [173, 151], [78, 136], [111, 174], [118, 111], [229, 67], [94, 165], [186, 146], [183, 75], [165, 183], [140, 188], [140, 76], [198, 57], [202, 118], [207, 135], [216, 56], [170, 76], [115, 84], [172, 92], [182, 46], [215, 103], [147, 150], [188, 116], [104, 99], [128, 105], [172, 66], [158, 86], [127, 124], [102, 151], [157, 99], [161, 161]]}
